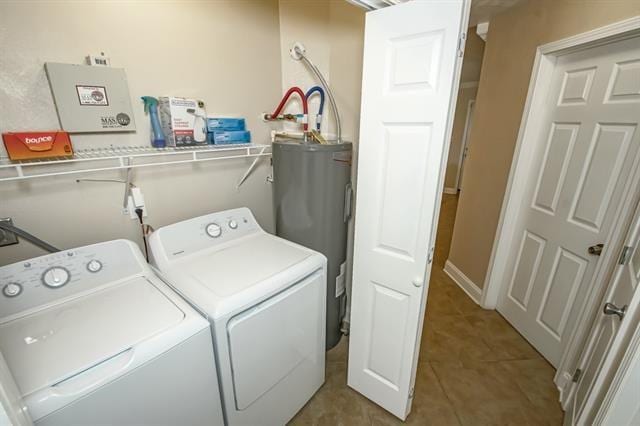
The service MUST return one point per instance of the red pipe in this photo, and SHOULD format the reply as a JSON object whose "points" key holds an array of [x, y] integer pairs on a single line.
{"points": [[284, 100]]}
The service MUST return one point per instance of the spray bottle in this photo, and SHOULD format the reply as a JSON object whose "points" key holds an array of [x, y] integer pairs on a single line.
{"points": [[151, 107]]}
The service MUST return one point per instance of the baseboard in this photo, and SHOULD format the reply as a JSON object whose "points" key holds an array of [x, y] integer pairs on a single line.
{"points": [[563, 383], [451, 191], [472, 290]]}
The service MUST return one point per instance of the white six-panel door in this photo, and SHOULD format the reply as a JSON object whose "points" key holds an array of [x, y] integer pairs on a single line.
{"points": [[590, 147], [410, 78], [600, 356]]}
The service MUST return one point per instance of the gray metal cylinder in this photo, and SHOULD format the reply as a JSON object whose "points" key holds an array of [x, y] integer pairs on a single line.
{"points": [[312, 196]]}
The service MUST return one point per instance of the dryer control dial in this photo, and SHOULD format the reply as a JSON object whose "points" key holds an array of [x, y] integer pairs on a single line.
{"points": [[12, 289], [55, 277], [94, 266], [233, 224], [213, 230]]}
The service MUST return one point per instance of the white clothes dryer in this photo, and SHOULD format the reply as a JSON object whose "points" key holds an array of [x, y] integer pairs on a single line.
{"points": [[265, 300]]}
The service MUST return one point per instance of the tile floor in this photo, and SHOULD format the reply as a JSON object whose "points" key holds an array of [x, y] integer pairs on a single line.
{"points": [[475, 369]]}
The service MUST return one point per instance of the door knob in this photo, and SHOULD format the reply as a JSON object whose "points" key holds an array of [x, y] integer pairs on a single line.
{"points": [[417, 282], [596, 250], [611, 309]]}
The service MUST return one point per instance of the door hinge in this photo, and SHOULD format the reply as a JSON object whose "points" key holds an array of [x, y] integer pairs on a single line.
{"points": [[430, 256], [461, 40], [411, 392], [625, 256], [576, 376]]}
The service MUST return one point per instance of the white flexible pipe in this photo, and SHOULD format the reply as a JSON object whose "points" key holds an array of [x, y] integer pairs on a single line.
{"points": [[298, 53]]}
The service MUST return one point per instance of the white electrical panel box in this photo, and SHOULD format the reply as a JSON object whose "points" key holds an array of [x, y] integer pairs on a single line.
{"points": [[91, 99]]}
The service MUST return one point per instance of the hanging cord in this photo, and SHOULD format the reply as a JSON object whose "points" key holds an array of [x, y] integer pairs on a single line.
{"points": [[146, 230], [29, 237], [308, 95]]}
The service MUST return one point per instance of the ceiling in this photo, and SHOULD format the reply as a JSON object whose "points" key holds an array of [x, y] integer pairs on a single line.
{"points": [[481, 10]]}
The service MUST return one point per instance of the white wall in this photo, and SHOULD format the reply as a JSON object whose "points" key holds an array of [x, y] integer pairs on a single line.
{"points": [[225, 52]]}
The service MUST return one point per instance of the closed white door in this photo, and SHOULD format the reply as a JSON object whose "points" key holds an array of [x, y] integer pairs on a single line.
{"points": [[589, 150], [410, 76], [601, 355]]}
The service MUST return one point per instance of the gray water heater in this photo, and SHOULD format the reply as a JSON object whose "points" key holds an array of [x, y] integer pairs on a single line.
{"points": [[312, 202]]}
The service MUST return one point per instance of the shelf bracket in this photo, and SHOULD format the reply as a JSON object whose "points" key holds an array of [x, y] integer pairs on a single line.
{"points": [[251, 167], [127, 185]]}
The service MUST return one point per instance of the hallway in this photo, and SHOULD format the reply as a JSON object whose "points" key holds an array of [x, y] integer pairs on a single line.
{"points": [[474, 368]]}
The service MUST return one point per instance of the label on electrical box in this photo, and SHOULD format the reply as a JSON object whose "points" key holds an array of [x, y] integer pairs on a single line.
{"points": [[92, 95], [115, 122]]}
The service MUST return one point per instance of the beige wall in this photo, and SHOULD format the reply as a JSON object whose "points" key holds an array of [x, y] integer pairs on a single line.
{"points": [[333, 33], [346, 35], [473, 55], [508, 60], [465, 95], [471, 66], [228, 53]]}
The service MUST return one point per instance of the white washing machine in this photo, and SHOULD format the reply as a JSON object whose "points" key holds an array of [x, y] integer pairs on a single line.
{"points": [[92, 336], [265, 299]]}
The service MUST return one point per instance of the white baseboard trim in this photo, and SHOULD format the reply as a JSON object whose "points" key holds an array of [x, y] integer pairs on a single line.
{"points": [[451, 191], [472, 290]]}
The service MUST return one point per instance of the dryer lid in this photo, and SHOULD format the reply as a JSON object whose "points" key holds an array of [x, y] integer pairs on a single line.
{"points": [[226, 273], [51, 345]]}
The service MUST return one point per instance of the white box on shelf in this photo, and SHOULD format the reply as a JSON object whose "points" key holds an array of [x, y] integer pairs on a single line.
{"points": [[184, 121]]}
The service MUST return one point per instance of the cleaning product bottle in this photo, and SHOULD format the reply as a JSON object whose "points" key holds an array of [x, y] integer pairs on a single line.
{"points": [[151, 107]]}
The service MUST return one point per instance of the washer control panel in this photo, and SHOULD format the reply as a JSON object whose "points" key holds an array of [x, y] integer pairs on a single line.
{"points": [[202, 232], [44, 279]]}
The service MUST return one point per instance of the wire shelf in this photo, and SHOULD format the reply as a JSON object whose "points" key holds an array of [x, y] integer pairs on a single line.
{"points": [[129, 157]]}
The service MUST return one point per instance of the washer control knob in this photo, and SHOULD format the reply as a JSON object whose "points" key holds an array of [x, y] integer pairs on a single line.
{"points": [[233, 224], [213, 230], [55, 277], [12, 289], [94, 266]]}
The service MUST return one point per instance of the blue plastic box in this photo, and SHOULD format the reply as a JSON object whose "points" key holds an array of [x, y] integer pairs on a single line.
{"points": [[229, 137], [217, 124]]}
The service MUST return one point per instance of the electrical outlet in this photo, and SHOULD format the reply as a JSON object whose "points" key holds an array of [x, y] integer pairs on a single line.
{"points": [[7, 238], [131, 209], [136, 201]]}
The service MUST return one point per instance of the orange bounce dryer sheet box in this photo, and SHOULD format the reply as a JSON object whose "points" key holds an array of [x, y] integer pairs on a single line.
{"points": [[37, 145]]}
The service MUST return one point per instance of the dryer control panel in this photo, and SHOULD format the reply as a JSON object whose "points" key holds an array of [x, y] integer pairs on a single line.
{"points": [[215, 229], [45, 279]]}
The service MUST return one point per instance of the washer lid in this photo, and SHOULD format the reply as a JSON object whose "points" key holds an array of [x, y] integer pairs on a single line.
{"points": [[228, 274], [56, 343]]}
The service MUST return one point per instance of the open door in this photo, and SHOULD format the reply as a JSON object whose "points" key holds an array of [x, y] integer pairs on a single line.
{"points": [[412, 59], [609, 336]]}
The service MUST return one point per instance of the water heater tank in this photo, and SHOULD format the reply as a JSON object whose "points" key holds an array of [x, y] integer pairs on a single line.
{"points": [[312, 196]]}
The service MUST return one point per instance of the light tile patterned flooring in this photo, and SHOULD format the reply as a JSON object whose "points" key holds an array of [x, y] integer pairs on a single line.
{"points": [[474, 369]]}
